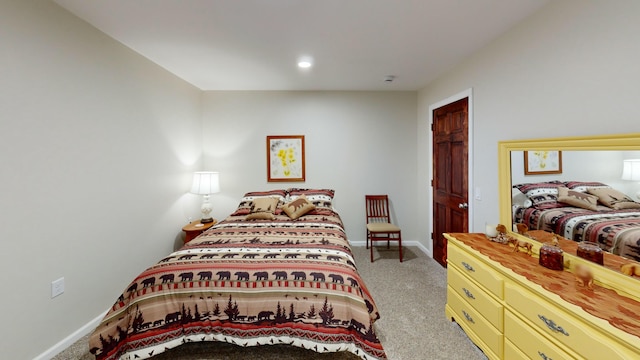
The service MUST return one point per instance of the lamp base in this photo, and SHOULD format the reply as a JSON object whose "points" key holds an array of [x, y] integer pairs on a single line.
{"points": [[204, 221]]}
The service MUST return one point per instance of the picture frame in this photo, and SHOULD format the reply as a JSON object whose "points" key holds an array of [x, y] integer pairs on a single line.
{"points": [[285, 158], [540, 162]]}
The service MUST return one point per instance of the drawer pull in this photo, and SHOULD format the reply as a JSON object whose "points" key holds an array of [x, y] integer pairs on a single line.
{"points": [[468, 293], [543, 356], [468, 317], [552, 325], [468, 267]]}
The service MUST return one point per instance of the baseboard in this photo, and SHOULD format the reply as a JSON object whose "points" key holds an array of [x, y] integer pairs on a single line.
{"points": [[404, 243], [71, 339]]}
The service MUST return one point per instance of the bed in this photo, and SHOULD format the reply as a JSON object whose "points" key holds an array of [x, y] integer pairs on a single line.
{"points": [[279, 270], [581, 211]]}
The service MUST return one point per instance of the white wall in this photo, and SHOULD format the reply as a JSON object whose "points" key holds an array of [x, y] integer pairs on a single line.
{"points": [[96, 149], [602, 166], [570, 69], [356, 143]]}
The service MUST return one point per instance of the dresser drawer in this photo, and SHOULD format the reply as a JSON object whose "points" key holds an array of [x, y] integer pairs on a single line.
{"points": [[529, 341], [511, 352], [475, 269], [476, 296], [562, 327], [476, 326]]}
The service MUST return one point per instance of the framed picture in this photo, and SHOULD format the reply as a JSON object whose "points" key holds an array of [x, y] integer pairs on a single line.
{"points": [[539, 162], [285, 158]]}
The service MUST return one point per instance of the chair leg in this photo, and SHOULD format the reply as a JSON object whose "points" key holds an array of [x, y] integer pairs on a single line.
{"points": [[367, 241], [400, 245], [371, 250]]}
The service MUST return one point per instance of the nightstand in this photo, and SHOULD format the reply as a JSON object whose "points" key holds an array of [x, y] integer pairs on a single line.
{"points": [[195, 228]]}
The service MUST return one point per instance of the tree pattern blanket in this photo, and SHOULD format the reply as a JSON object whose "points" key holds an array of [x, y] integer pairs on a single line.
{"points": [[248, 282]]}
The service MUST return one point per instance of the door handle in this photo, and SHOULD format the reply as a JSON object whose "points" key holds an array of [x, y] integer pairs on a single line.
{"points": [[463, 206]]}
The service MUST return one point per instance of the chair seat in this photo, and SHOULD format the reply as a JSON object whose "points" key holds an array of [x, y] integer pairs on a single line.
{"points": [[382, 227]]}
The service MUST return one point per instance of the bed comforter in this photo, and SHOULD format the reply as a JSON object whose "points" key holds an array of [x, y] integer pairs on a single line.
{"points": [[617, 231], [249, 283]]}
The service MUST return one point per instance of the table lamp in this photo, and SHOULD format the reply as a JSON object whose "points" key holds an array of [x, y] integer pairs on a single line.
{"points": [[205, 183], [631, 171]]}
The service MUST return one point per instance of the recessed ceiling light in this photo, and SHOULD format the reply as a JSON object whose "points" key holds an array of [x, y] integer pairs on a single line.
{"points": [[305, 62]]}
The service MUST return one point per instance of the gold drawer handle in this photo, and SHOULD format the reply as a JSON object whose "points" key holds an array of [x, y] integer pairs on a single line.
{"points": [[468, 317], [552, 325], [468, 267], [468, 293], [543, 356]]}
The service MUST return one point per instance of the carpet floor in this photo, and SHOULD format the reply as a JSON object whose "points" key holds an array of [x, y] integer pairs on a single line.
{"points": [[410, 296]]}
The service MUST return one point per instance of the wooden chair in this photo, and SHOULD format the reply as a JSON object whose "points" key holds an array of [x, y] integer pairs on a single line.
{"points": [[379, 226]]}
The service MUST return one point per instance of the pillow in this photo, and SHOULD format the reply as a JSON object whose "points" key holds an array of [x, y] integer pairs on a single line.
{"points": [[613, 198], [582, 186], [545, 201], [244, 208], [278, 193], [263, 208], [264, 204], [298, 207], [531, 189], [318, 197], [519, 199], [578, 199]]}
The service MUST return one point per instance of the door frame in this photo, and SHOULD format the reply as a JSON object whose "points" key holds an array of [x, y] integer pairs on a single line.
{"points": [[468, 93]]}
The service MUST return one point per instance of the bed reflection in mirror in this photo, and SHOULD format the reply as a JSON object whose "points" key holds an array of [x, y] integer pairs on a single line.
{"points": [[586, 200]]}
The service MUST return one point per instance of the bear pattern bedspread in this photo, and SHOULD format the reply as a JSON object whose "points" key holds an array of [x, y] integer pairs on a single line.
{"points": [[257, 282], [616, 231]]}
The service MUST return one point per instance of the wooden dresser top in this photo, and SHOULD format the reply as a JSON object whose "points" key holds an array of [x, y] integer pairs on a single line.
{"points": [[619, 311]]}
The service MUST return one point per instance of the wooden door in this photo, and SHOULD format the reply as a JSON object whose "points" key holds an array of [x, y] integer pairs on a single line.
{"points": [[450, 130]]}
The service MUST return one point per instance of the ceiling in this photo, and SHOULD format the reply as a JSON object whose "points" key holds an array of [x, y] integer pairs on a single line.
{"points": [[255, 44]]}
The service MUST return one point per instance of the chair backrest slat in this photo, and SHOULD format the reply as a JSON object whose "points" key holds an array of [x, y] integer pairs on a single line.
{"points": [[377, 208]]}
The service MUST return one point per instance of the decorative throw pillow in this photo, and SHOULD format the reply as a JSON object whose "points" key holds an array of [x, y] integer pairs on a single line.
{"points": [[578, 199], [244, 208], [613, 198], [263, 208], [298, 207]]}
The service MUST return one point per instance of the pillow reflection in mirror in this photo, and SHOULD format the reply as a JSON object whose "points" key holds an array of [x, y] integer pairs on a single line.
{"points": [[613, 198], [578, 199], [539, 188], [518, 199]]}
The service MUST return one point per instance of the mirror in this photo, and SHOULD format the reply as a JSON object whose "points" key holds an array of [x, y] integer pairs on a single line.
{"points": [[573, 149], [604, 166]]}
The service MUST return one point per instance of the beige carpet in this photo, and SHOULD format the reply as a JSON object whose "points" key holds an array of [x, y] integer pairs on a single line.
{"points": [[410, 296]]}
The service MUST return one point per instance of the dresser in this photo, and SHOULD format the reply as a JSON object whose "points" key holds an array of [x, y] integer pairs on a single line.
{"points": [[513, 308]]}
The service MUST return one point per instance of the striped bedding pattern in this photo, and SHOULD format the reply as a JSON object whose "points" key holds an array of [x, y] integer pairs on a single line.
{"points": [[617, 231], [249, 283]]}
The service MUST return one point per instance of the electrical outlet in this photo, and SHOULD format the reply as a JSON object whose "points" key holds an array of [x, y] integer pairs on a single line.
{"points": [[57, 287]]}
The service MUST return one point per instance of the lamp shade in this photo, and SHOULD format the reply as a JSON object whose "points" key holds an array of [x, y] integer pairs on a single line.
{"points": [[631, 170], [205, 183]]}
